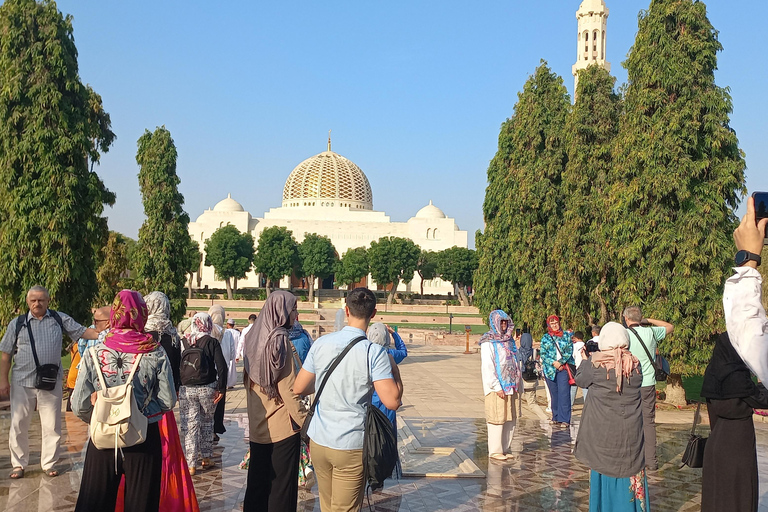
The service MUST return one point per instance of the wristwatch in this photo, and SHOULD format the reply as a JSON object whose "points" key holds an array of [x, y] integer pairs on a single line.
{"points": [[743, 257]]}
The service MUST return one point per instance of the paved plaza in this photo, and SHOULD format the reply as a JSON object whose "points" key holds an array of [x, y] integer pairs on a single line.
{"points": [[442, 434]]}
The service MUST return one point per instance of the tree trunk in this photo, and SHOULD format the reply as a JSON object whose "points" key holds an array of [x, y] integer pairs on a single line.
{"points": [[234, 288], [189, 285], [462, 294], [229, 288], [675, 391], [269, 287], [421, 284], [311, 286], [603, 306], [392, 292]]}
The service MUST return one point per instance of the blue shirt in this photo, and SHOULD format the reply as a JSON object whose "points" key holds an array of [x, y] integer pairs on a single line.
{"points": [[339, 420]]}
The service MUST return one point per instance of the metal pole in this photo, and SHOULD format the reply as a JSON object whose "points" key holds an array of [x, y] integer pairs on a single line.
{"points": [[467, 349]]}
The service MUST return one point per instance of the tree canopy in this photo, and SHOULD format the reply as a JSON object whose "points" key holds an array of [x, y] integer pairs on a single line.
{"points": [[277, 255], [164, 235], [52, 129], [679, 176], [523, 204], [318, 259], [457, 265], [192, 259], [230, 252], [113, 266], [426, 267], [393, 259], [352, 267]]}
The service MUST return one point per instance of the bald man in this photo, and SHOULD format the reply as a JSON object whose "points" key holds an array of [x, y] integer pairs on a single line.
{"points": [[100, 325]]}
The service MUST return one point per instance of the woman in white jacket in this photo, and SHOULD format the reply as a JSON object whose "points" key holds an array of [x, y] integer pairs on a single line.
{"points": [[501, 381]]}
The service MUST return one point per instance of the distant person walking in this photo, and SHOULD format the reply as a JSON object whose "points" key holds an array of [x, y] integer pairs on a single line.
{"points": [[31, 340], [610, 438], [231, 355], [275, 413], [556, 352], [501, 383]]}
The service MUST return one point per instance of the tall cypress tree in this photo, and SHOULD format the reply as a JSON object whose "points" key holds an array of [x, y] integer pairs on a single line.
{"points": [[52, 127], [164, 236], [679, 177], [523, 204], [584, 274]]}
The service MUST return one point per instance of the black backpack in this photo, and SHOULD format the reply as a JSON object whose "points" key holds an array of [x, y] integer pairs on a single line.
{"points": [[529, 371], [380, 455], [194, 369]]}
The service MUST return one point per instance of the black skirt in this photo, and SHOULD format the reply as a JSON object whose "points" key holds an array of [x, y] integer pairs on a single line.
{"points": [[729, 477]]}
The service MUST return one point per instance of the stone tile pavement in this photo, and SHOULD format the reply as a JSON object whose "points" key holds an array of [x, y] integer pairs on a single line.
{"points": [[442, 408]]}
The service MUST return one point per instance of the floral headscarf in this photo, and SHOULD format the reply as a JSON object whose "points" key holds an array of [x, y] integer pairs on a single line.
{"points": [[159, 308], [503, 351], [549, 329], [126, 321], [201, 325], [494, 323]]}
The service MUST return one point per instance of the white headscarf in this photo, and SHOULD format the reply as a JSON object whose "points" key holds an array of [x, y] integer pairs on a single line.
{"points": [[378, 334]]}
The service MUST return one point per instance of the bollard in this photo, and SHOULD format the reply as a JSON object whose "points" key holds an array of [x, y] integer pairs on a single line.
{"points": [[467, 329]]}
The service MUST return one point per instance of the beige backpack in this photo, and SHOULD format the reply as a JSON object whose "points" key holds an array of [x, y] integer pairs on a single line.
{"points": [[117, 422]]}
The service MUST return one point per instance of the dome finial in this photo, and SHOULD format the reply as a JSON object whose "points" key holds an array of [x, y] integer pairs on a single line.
{"points": [[329, 140]]}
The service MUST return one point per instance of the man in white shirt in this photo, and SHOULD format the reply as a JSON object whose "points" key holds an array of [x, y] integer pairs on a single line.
{"points": [[232, 356], [241, 340], [745, 317]]}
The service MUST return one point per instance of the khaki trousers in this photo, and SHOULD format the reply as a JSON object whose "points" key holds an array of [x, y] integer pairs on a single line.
{"points": [[339, 478], [23, 401]]}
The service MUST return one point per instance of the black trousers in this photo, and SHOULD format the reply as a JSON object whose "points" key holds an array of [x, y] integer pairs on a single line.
{"points": [[218, 416], [273, 476], [142, 467]]}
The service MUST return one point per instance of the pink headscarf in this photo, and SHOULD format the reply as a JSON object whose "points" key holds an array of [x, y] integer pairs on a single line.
{"points": [[126, 321], [614, 353]]}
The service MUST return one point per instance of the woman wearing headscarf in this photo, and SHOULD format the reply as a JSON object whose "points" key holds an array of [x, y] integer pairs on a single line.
{"points": [[200, 391], [501, 381], [381, 334], [125, 345], [556, 353], [610, 438], [729, 475], [275, 413], [228, 347]]}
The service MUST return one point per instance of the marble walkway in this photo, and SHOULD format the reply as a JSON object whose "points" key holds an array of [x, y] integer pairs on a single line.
{"points": [[443, 408]]}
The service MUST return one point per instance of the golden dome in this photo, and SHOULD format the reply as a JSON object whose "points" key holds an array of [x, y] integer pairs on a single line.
{"points": [[328, 180]]}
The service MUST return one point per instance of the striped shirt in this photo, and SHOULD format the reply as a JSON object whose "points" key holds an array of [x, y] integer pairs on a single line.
{"points": [[48, 338]]}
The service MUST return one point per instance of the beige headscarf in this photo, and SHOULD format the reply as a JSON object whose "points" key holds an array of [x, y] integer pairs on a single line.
{"points": [[378, 334], [614, 353], [217, 315]]}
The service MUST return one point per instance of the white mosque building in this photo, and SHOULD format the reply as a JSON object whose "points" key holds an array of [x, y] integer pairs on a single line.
{"points": [[329, 195]]}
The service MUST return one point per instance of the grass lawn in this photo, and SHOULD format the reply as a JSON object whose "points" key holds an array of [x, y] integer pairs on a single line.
{"points": [[692, 385], [440, 313], [458, 328], [251, 310]]}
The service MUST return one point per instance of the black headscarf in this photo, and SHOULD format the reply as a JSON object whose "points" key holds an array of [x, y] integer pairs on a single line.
{"points": [[727, 376]]}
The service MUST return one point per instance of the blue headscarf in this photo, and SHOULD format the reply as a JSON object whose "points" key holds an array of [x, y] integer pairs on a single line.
{"points": [[504, 350]]}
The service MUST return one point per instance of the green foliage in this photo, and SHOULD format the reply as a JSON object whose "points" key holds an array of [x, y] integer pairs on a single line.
{"points": [[393, 259], [352, 267], [277, 254], [585, 280], [523, 205], [231, 253], [52, 129], [113, 267], [426, 267], [318, 259], [164, 236], [458, 265], [679, 176]]}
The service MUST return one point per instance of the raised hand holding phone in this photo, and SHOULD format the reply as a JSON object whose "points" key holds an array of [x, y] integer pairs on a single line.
{"points": [[750, 234]]}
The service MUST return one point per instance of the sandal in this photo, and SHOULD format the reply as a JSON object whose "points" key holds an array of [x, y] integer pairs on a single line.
{"points": [[207, 463], [191, 471], [17, 473], [52, 472]]}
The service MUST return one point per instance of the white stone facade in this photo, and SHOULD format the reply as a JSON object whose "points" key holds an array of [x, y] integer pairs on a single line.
{"points": [[592, 19], [329, 195]]}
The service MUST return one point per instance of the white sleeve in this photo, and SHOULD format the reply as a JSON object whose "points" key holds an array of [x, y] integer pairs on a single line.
{"points": [[745, 319], [488, 369], [241, 342]]}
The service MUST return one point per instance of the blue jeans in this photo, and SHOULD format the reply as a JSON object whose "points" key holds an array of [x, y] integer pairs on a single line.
{"points": [[560, 391]]}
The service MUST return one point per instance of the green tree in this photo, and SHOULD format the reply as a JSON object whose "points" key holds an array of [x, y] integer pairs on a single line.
{"points": [[113, 267], [393, 259], [679, 177], [585, 280], [192, 259], [164, 236], [52, 129], [277, 255], [426, 267], [230, 253], [523, 204], [318, 259], [352, 267], [458, 265]]}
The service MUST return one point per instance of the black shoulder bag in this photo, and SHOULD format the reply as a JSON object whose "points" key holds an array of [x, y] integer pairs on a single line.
{"points": [[47, 375], [693, 457], [661, 374], [380, 456], [311, 413]]}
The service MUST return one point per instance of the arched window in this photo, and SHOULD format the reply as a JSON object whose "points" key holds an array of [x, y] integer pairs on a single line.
{"points": [[602, 45], [428, 230], [594, 45], [434, 234]]}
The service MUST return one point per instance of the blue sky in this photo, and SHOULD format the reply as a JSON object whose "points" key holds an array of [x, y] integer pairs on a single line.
{"points": [[415, 92]]}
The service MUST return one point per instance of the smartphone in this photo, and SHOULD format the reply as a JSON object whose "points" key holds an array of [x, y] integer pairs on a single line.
{"points": [[761, 208], [518, 332]]}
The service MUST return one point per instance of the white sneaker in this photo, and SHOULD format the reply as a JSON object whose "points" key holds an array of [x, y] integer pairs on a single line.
{"points": [[310, 479]]}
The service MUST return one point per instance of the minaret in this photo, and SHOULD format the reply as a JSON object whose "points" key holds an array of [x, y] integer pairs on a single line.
{"points": [[590, 48]]}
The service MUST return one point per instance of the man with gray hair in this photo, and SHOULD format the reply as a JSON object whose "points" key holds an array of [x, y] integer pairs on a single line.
{"points": [[34, 340], [640, 333]]}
